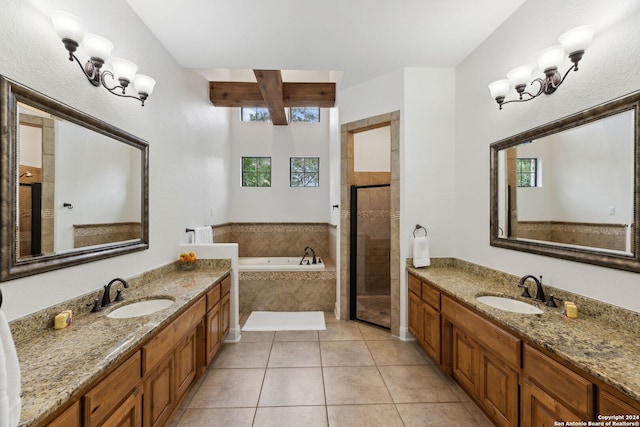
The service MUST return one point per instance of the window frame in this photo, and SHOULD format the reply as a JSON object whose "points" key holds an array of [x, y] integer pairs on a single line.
{"points": [[256, 112], [304, 172], [533, 175], [243, 172], [304, 108]]}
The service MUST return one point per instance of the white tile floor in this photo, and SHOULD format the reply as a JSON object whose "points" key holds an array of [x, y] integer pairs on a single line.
{"points": [[351, 375]]}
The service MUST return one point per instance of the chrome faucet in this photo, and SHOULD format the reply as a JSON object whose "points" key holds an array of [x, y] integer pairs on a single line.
{"points": [[539, 291], [106, 297]]}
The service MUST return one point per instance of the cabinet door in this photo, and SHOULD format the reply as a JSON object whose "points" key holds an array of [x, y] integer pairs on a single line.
{"points": [[129, 414], [225, 312], [465, 361], [498, 392], [186, 365], [431, 331], [109, 393], [159, 395], [415, 316], [540, 409], [213, 334]]}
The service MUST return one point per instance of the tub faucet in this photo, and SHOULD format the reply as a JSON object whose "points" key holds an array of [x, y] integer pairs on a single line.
{"points": [[313, 260], [106, 297], [539, 291]]}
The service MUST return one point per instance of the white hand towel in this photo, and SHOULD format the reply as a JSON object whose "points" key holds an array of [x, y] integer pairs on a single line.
{"points": [[203, 235], [421, 252], [10, 403]]}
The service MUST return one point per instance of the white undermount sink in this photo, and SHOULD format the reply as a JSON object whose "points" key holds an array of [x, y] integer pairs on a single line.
{"points": [[141, 308], [509, 304]]}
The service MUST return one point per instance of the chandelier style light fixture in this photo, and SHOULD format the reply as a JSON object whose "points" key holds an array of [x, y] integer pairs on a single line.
{"points": [[72, 31], [572, 43]]}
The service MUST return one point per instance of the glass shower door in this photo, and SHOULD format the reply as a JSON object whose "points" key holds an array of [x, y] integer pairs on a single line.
{"points": [[370, 295]]}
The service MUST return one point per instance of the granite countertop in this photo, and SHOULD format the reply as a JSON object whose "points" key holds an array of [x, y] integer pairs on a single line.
{"points": [[605, 349], [56, 364]]}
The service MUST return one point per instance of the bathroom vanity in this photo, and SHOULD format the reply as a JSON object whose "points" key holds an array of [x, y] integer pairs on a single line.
{"points": [[525, 369], [103, 371]]}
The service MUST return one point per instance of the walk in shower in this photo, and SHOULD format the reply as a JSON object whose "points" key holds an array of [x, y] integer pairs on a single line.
{"points": [[370, 294]]}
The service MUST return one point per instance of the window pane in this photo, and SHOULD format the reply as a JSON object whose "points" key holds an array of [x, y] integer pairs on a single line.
{"points": [[304, 172], [526, 172], [255, 114], [305, 114], [256, 171]]}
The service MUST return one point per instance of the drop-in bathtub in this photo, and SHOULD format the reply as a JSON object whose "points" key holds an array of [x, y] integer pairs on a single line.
{"points": [[277, 264]]}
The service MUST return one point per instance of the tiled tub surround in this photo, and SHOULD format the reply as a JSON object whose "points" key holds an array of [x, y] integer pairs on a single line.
{"points": [[274, 239], [287, 290], [602, 342], [58, 364]]}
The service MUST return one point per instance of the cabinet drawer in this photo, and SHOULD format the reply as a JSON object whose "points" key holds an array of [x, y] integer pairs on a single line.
{"points": [[226, 285], [213, 297], [415, 285], [560, 382], [608, 404], [189, 319], [487, 334], [108, 395], [431, 296]]}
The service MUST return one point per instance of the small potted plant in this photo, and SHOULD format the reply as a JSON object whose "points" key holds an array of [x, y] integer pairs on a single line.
{"points": [[187, 260]]}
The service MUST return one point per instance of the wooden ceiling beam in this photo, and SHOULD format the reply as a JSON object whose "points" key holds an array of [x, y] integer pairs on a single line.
{"points": [[271, 87], [235, 94], [239, 94], [321, 95]]}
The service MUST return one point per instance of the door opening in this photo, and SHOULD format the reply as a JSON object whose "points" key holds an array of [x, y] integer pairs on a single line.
{"points": [[370, 252]]}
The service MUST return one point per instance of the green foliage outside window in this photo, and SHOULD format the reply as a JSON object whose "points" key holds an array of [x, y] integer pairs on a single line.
{"points": [[256, 171], [526, 172], [304, 172]]}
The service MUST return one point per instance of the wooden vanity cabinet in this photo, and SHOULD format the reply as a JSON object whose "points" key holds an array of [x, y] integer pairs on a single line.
{"points": [[484, 359], [69, 418], [115, 401], [551, 390], [424, 316], [611, 402], [170, 365], [217, 318]]}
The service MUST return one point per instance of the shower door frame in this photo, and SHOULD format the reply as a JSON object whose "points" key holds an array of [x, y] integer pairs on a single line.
{"points": [[353, 256]]}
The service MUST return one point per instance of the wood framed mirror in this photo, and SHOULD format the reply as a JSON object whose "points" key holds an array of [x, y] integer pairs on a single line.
{"points": [[571, 188], [74, 189]]}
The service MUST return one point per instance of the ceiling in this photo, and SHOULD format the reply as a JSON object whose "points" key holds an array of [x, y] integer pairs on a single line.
{"points": [[360, 39]]}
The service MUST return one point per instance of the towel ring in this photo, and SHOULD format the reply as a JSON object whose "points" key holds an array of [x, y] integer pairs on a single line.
{"points": [[418, 227]]}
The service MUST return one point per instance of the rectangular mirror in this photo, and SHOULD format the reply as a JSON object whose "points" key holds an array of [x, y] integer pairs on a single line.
{"points": [[569, 189], [74, 189]]}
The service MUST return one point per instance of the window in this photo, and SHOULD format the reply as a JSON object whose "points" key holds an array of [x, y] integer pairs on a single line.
{"points": [[526, 172], [255, 114], [256, 171], [305, 114], [304, 172]]}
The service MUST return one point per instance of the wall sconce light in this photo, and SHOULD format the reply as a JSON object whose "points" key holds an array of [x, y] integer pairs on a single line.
{"points": [[72, 31], [572, 43]]}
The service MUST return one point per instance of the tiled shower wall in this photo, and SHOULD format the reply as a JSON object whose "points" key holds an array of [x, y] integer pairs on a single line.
{"points": [[276, 239]]}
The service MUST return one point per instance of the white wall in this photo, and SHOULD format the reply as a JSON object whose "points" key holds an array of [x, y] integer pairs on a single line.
{"points": [[280, 202], [609, 69], [584, 171], [99, 176], [427, 147], [188, 137]]}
